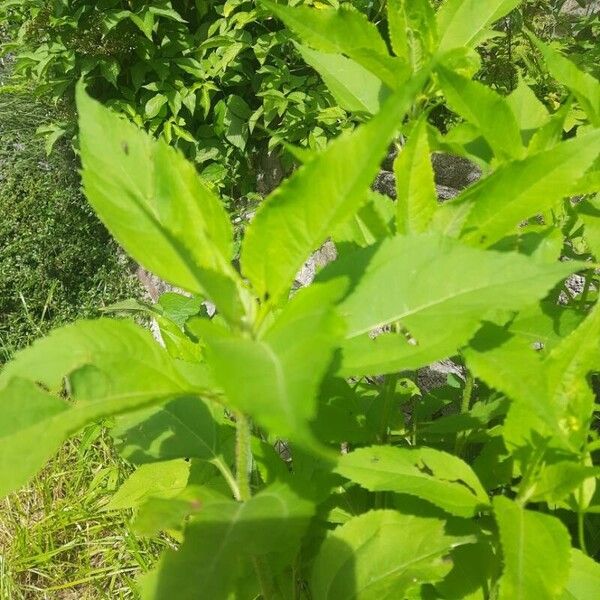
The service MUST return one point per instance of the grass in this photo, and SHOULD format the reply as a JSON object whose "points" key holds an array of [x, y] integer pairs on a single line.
{"points": [[58, 263], [57, 542]]}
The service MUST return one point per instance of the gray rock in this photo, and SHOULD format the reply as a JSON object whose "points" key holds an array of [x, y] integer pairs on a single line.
{"points": [[445, 193], [574, 8], [454, 171], [436, 374], [385, 183], [324, 255]]}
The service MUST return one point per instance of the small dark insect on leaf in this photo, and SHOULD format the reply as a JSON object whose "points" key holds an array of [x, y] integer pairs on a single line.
{"points": [[125, 147]]}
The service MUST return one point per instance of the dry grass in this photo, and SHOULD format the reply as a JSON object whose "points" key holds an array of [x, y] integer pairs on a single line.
{"points": [[57, 542]]}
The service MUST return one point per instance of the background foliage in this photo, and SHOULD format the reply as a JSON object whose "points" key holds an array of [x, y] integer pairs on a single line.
{"points": [[219, 80]]}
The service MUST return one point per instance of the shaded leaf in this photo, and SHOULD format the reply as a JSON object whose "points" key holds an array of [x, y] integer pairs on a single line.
{"points": [[440, 478], [223, 539]]}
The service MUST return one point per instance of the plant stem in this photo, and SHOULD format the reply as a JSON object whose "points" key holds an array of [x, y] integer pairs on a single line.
{"points": [[465, 405], [388, 403], [243, 457], [581, 530], [243, 469], [229, 478]]}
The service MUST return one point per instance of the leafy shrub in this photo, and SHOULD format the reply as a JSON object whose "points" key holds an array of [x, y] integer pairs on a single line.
{"points": [[218, 80], [57, 261], [483, 487], [512, 55]]}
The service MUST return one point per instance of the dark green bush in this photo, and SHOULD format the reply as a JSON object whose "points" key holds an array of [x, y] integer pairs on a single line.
{"points": [[219, 80]]}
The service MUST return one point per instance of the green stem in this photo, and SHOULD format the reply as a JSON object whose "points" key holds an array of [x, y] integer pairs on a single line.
{"points": [[581, 531], [243, 468], [465, 405], [243, 457], [388, 403], [229, 478]]}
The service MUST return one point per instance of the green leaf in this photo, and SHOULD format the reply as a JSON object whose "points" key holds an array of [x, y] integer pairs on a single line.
{"points": [[486, 109], [363, 559], [30, 437], [154, 105], [299, 216], [224, 539], [585, 87], [584, 578], [429, 280], [551, 134], [145, 23], [529, 112], [440, 478], [535, 550], [155, 480], [474, 568], [589, 212], [565, 373], [464, 22], [555, 482], [98, 350], [555, 389], [147, 194], [372, 222], [415, 186], [236, 121], [412, 29], [495, 206], [342, 31], [183, 428], [171, 513], [277, 376], [354, 88]]}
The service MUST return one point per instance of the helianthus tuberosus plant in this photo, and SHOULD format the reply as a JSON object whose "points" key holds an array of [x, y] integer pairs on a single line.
{"points": [[283, 441]]}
